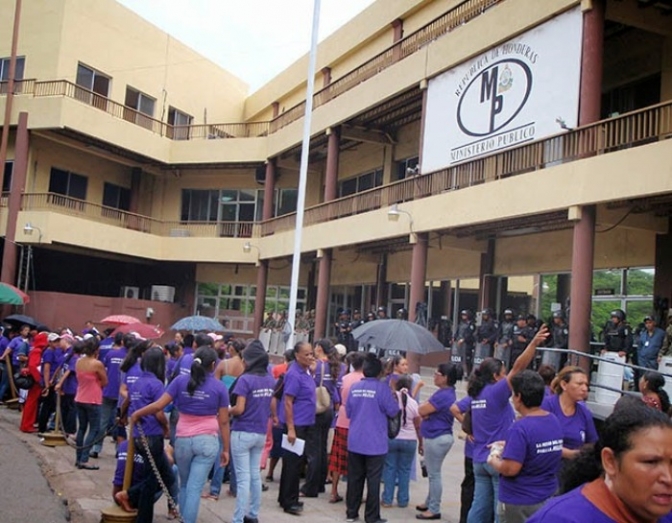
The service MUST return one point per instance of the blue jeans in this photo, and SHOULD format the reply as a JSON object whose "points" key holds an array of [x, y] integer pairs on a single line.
{"points": [[4, 380], [88, 416], [435, 452], [398, 470], [194, 457], [108, 413], [246, 448], [486, 494]]}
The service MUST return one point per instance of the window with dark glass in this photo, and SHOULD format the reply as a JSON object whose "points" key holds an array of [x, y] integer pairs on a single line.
{"points": [[7, 178], [18, 73], [407, 167], [116, 197], [67, 184], [199, 205], [287, 200], [181, 121], [93, 80], [362, 182]]}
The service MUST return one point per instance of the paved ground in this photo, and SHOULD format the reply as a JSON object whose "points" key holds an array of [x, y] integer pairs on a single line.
{"points": [[87, 492], [25, 495]]}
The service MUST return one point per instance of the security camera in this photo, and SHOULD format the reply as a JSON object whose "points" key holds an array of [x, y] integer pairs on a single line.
{"points": [[563, 125], [412, 171], [149, 313]]}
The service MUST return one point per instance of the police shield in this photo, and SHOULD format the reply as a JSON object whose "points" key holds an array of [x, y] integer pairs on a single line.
{"points": [[503, 353], [551, 358], [483, 350]]}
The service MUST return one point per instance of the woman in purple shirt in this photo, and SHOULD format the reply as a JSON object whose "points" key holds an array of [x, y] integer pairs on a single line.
{"points": [[530, 460], [570, 389], [627, 477], [491, 416], [437, 434], [143, 394], [203, 404], [370, 402], [253, 392]]}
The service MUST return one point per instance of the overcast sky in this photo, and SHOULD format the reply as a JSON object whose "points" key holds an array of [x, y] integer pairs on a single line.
{"points": [[253, 39]]}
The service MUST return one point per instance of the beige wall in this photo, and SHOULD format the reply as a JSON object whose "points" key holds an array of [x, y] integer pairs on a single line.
{"points": [[279, 273]]}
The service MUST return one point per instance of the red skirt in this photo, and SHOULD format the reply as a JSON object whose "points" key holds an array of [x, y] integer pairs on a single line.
{"points": [[338, 459]]}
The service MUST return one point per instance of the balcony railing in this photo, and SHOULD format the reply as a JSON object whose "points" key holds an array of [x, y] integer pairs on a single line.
{"points": [[628, 130], [457, 16], [61, 204]]}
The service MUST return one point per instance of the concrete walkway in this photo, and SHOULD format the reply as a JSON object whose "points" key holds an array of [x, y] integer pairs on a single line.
{"points": [[87, 492]]}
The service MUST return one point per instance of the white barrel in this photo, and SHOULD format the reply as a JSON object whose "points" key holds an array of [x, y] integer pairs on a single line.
{"points": [[610, 375], [665, 366], [275, 342], [265, 338]]}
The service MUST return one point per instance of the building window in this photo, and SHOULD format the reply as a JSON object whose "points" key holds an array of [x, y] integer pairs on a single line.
{"points": [[362, 182], [407, 167], [180, 122], [199, 205], [143, 106], [18, 73], [286, 201], [116, 197], [95, 87], [7, 178], [65, 186], [233, 304]]}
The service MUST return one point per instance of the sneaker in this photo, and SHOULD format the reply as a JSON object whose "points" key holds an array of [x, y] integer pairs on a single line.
{"points": [[351, 520]]}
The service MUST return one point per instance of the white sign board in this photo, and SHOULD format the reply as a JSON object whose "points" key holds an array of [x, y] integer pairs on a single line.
{"points": [[512, 94]]}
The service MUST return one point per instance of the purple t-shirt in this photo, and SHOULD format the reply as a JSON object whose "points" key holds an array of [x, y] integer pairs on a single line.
{"points": [[258, 392], [491, 417], [536, 442], [370, 402], [112, 361], [138, 465], [463, 406], [184, 363], [439, 422], [300, 385], [574, 507], [577, 430], [70, 384], [143, 391], [54, 357], [18, 346], [207, 399]]}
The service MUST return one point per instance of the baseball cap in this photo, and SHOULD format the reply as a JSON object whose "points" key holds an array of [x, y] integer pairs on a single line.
{"points": [[340, 348], [215, 336], [53, 336], [137, 336]]}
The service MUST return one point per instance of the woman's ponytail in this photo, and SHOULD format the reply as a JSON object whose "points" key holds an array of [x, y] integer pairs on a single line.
{"points": [[204, 357]]}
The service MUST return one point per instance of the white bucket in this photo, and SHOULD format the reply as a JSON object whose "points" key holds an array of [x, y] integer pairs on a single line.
{"points": [[665, 366], [275, 343], [265, 338], [610, 375]]}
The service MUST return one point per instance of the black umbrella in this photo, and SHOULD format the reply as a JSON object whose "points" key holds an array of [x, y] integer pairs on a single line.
{"points": [[20, 319], [397, 335]]}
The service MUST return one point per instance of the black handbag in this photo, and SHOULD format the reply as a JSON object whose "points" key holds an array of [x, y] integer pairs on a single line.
{"points": [[23, 379], [393, 425]]}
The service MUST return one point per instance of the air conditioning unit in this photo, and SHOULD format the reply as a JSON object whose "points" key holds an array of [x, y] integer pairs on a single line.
{"points": [[163, 293], [130, 292]]}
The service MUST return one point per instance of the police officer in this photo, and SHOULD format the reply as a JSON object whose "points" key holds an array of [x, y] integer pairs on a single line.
{"points": [[486, 335], [618, 335], [522, 335], [382, 313], [464, 338], [343, 328], [354, 323], [402, 314], [505, 337], [559, 339]]}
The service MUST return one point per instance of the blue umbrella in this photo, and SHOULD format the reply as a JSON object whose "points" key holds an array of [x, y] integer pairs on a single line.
{"points": [[198, 323], [397, 335]]}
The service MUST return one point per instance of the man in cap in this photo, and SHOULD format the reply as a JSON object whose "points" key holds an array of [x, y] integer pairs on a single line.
{"points": [[464, 338], [559, 338], [486, 334], [522, 336], [52, 359], [649, 344]]}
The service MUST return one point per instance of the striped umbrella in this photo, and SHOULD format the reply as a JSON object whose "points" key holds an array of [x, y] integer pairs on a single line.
{"points": [[119, 319], [10, 295]]}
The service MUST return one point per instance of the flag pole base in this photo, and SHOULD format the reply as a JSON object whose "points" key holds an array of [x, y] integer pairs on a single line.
{"points": [[115, 514], [53, 439]]}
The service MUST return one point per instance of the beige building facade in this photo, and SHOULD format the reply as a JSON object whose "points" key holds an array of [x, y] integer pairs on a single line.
{"points": [[517, 142]]}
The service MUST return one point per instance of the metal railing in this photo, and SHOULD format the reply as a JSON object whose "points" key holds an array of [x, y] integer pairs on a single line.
{"points": [[628, 130], [219, 131], [61, 204], [20, 86]]}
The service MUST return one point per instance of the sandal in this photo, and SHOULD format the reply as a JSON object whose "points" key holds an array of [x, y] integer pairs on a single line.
{"points": [[336, 499], [269, 479], [210, 497], [86, 466]]}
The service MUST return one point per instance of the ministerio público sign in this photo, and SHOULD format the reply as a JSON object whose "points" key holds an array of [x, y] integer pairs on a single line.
{"points": [[512, 94]]}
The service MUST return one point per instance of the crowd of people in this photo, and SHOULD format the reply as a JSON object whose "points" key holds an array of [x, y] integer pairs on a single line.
{"points": [[205, 405]]}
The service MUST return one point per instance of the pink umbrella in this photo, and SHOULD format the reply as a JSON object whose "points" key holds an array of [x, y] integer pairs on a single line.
{"points": [[144, 330], [119, 319]]}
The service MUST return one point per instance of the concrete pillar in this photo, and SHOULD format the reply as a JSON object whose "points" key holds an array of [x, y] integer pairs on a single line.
{"points": [[487, 283], [269, 190], [260, 297], [322, 305], [381, 282], [418, 279], [136, 180], [397, 34], [333, 153], [662, 282], [19, 173], [275, 107], [326, 76], [447, 294], [583, 245]]}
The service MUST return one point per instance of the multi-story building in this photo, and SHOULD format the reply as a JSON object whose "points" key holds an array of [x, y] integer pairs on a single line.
{"points": [[463, 154]]}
